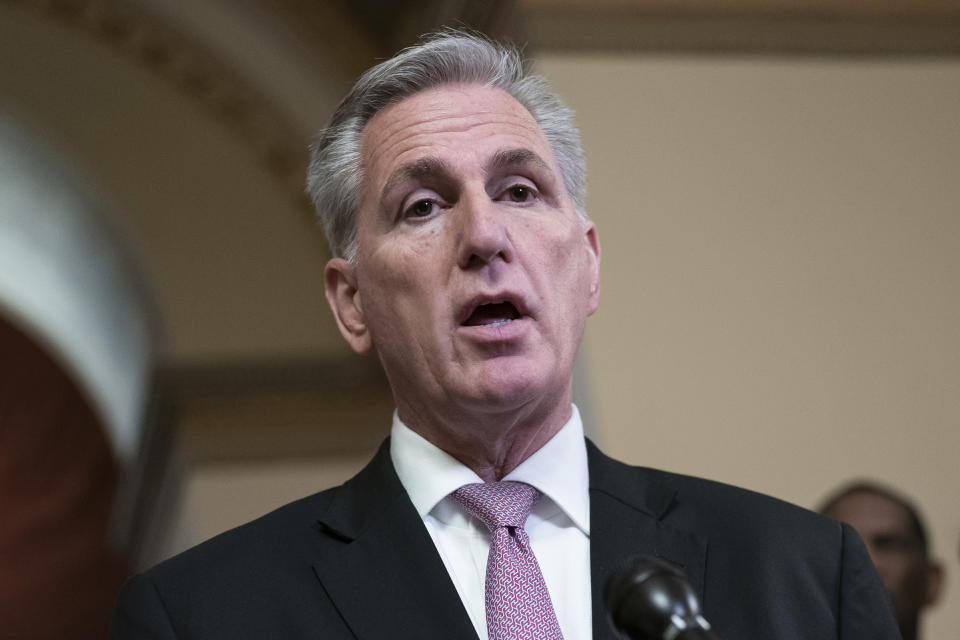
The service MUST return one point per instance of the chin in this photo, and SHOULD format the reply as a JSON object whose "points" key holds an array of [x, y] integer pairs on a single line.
{"points": [[513, 385]]}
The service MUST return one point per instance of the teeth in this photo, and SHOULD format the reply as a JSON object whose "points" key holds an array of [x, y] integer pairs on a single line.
{"points": [[499, 323]]}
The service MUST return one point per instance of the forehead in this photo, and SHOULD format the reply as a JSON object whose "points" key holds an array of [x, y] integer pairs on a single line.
{"points": [[456, 120], [870, 511]]}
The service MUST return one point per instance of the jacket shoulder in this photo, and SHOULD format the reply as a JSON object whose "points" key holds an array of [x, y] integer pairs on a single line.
{"points": [[236, 584], [772, 569], [267, 539], [699, 504], [737, 510]]}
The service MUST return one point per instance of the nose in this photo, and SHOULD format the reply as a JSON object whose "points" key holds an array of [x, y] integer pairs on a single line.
{"points": [[482, 234]]}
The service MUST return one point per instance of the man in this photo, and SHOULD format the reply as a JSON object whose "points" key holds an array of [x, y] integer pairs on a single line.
{"points": [[897, 542], [451, 187]]}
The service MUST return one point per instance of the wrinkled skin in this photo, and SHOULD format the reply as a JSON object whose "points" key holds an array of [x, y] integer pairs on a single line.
{"points": [[474, 275]]}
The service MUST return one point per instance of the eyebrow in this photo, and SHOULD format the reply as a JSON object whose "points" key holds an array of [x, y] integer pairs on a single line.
{"points": [[416, 170], [515, 157], [431, 166]]}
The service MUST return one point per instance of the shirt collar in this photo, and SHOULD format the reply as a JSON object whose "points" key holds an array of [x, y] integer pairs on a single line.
{"points": [[558, 469]]}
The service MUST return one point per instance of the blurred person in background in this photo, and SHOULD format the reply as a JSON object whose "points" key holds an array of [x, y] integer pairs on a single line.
{"points": [[896, 538]]}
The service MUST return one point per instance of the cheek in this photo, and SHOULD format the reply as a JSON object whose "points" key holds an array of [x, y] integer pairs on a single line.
{"points": [[392, 266], [411, 252], [553, 243], [403, 290], [895, 570], [574, 261]]}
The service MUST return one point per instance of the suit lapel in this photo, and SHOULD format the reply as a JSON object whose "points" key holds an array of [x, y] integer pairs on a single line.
{"points": [[379, 565], [381, 569], [629, 516]]}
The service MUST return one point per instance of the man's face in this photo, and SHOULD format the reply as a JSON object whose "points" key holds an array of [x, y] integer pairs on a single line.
{"points": [[895, 550], [474, 275]]}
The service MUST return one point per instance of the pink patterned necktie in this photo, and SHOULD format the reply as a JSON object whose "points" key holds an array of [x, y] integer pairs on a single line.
{"points": [[517, 602]]}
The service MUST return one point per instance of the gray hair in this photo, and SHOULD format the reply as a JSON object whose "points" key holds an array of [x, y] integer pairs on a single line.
{"points": [[335, 175]]}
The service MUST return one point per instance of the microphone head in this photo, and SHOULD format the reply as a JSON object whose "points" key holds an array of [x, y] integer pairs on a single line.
{"points": [[649, 599]]}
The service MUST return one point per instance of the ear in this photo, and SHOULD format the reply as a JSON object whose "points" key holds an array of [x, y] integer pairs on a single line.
{"points": [[593, 250], [934, 582], [344, 300]]}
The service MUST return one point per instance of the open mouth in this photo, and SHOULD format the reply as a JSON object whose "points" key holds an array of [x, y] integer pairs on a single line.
{"points": [[493, 314]]}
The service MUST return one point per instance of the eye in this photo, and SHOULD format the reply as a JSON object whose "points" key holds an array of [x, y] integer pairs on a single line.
{"points": [[420, 209], [892, 543], [520, 193]]}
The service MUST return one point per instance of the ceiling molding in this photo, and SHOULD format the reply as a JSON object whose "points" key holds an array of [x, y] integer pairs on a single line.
{"points": [[744, 27], [195, 72], [394, 24], [277, 408]]}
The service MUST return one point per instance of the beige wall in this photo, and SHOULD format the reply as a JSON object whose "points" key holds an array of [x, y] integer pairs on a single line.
{"points": [[780, 276], [780, 280], [218, 497]]}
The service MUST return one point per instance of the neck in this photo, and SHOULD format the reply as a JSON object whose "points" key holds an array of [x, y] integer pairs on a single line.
{"points": [[908, 629], [492, 443]]}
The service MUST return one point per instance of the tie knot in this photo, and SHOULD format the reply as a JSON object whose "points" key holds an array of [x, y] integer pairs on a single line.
{"points": [[498, 504]]}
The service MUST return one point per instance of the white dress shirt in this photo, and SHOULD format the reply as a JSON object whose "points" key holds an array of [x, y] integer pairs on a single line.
{"points": [[558, 526]]}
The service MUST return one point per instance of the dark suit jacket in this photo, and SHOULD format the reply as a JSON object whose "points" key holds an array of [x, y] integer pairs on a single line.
{"points": [[357, 562]]}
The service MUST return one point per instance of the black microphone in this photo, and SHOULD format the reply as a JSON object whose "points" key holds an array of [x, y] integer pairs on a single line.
{"points": [[650, 599]]}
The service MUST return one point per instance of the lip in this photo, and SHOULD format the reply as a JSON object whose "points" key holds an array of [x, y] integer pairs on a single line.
{"points": [[512, 297], [490, 333], [513, 330]]}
